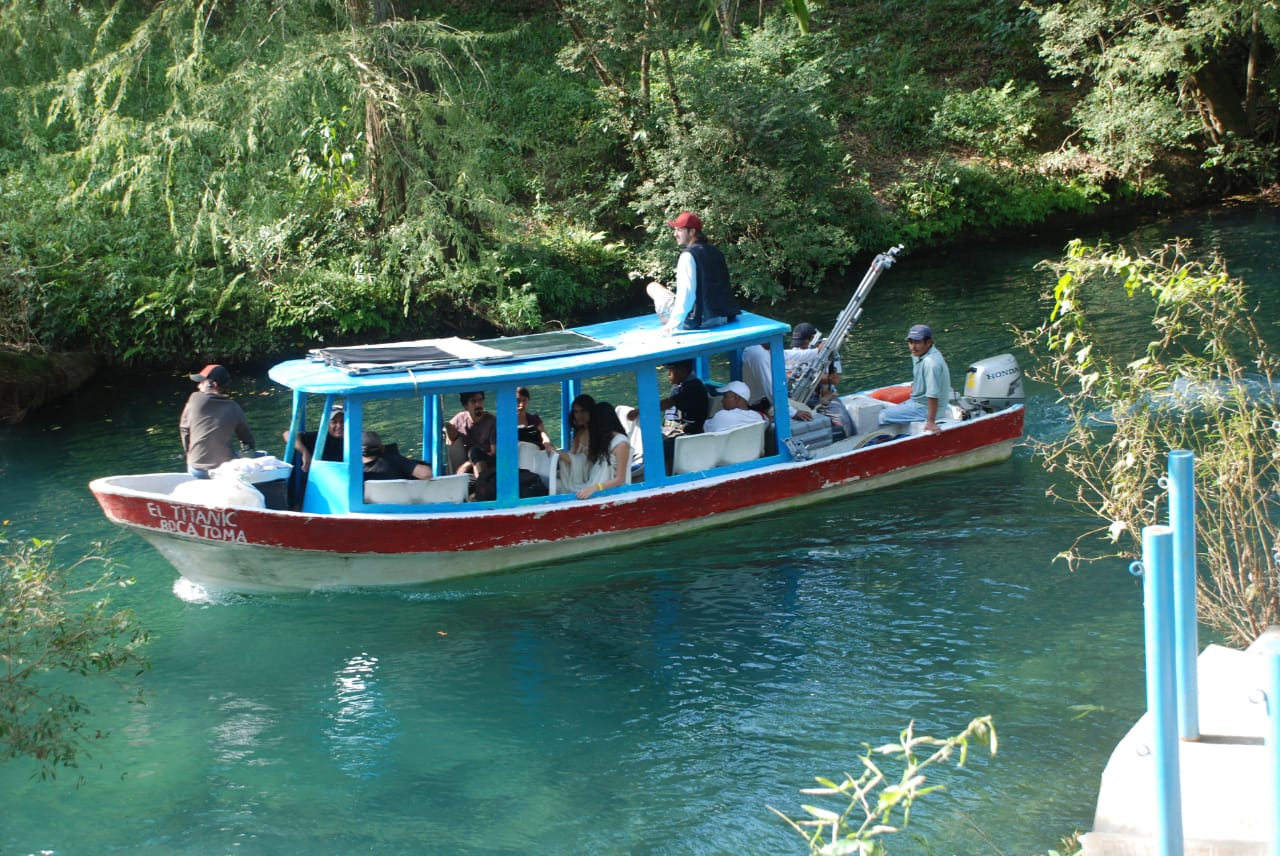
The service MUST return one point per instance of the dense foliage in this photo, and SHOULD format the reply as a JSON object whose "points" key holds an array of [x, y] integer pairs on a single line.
{"points": [[185, 180], [1205, 381]]}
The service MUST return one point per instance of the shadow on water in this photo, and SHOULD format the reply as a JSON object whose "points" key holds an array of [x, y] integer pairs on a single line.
{"points": [[647, 701]]}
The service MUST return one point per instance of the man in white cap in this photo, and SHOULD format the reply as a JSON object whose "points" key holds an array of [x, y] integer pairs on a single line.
{"points": [[703, 297], [930, 383], [211, 422], [734, 410]]}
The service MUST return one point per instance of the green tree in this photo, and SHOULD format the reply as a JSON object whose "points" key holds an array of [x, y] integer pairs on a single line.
{"points": [[194, 159], [55, 630], [1204, 380], [1158, 76]]}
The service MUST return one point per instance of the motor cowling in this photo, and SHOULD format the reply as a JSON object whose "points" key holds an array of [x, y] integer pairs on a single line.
{"points": [[993, 384]]}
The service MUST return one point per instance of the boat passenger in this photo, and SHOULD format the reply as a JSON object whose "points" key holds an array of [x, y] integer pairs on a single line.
{"points": [[805, 339], [211, 421], [930, 383], [381, 463], [529, 428], [609, 453], [703, 297], [733, 411], [685, 409], [305, 442], [472, 428], [757, 374], [573, 460]]}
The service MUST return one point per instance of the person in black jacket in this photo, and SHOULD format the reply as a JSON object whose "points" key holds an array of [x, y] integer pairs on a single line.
{"points": [[703, 297]]}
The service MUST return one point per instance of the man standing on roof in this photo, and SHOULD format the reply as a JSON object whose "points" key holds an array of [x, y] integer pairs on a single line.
{"points": [[703, 297], [930, 383], [210, 423]]}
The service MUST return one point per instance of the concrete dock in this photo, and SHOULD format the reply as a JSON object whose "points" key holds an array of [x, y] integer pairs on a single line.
{"points": [[1228, 808]]}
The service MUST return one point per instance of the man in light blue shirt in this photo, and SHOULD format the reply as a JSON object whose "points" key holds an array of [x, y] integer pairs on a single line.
{"points": [[930, 383]]}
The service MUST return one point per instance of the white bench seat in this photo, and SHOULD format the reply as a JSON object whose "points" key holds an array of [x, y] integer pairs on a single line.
{"points": [[695, 452], [442, 489]]}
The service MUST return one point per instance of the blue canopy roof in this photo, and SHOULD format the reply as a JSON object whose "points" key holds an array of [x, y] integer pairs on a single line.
{"points": [[623, 344]]}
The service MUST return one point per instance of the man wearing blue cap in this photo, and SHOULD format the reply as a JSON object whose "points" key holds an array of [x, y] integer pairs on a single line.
{"points": [[930, 383]]}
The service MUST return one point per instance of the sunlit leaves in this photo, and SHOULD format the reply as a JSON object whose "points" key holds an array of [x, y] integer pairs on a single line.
{"points": [[874, 805], [1202, 379]]}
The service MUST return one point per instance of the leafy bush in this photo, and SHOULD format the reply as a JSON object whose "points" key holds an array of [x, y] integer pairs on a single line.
{"points": [[997, 123], [53, 626], [874, 799], [1204, 381], [944, 198], [754, 157]]}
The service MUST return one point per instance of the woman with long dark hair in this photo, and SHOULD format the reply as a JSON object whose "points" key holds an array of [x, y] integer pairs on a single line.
{"points": [[608, 452], [573, 460]]}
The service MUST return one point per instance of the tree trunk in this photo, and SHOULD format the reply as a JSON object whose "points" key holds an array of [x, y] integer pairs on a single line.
{"points": [[1224, 106]]}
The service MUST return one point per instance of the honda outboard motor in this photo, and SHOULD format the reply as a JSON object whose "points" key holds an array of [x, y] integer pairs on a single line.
{"points": [[992, 384]]}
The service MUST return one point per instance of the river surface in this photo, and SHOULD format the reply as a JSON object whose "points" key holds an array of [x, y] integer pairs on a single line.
{"points": [[652, 701]]}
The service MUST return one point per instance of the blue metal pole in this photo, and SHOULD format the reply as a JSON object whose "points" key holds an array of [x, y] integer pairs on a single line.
{"points": [[1182, 517], [1157, 562], [1271, 651]]}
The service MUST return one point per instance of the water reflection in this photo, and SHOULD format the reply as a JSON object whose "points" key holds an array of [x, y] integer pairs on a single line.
{"points": [[244, 733], [361, 729]]}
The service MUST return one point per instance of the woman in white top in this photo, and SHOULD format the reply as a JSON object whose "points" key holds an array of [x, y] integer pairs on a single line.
{"points": [[608, 453], [573, 460]]}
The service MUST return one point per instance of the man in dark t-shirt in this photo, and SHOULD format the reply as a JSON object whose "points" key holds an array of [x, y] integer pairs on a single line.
{"points": [[686, 406], [685, 409], [381, 463]]}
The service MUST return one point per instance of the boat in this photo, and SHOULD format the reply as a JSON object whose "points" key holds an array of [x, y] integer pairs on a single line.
{"points": [[335, 531]]}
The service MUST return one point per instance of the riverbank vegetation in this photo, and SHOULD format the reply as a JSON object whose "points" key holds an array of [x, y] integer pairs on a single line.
{"points": [[58, 626], [1205, 381], [877, 802], [183, 181]]}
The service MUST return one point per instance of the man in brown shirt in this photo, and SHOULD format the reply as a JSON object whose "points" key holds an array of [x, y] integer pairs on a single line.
{"points": [[210, 423]]}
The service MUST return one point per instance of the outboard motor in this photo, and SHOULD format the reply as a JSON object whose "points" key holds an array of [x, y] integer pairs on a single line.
{"points": [[991, 384]]}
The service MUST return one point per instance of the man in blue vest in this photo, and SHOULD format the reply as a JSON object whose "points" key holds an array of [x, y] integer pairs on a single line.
{"points": [[703, 297]]}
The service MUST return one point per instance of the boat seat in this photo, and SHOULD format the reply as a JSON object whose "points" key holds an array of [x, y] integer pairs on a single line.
{"points": [[694, 452], [545, 464], [442, 489], [744, 443]]}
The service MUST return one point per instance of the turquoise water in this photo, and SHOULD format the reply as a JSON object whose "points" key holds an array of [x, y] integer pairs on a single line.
{"points": [[655, 701]]}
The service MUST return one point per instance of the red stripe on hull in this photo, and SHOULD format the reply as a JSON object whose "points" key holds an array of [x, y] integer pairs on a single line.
{"points": [[474, 530]]}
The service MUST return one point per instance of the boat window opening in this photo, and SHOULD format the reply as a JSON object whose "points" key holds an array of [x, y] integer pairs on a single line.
{"points": [[544, 400], [398, 421]]}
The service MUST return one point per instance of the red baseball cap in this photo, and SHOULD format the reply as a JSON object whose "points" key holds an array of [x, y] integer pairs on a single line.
{"points": [[685, 220]]}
